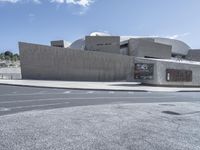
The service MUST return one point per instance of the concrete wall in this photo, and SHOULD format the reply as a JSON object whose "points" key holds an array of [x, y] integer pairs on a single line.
{"points": [[193, 54], [146, 48], [178, 47], [110, 44], [160, 67], [60, 43], [54, 63]]}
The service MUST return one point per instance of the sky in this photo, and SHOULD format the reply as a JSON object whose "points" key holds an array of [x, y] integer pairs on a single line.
{"points": [[40, 21]]}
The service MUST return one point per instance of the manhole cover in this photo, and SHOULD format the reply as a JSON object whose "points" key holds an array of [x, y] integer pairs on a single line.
{"points": [[171, 112]]}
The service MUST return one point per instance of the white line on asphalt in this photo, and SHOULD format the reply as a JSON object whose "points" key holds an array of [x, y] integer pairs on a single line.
{"points": [[90, 92], [31, 106], [79, 98], [4, 109], [111, 92], [38, 93], [130, 92], [67, 92]]}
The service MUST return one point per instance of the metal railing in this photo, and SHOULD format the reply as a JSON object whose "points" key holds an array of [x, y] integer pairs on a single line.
{"points": [[10, 76]]}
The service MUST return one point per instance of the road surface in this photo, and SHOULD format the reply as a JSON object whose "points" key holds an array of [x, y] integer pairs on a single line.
{"points": [[14, 99]]}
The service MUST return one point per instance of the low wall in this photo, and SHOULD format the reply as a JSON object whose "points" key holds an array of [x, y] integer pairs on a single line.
{"points": [[54, 63], [160, 67]]}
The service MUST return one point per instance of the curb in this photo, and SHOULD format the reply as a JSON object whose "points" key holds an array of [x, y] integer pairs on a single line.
{"points": [[34, 86], [189, 91]]}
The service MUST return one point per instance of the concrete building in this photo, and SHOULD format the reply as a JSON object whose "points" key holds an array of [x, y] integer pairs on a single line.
{"points": [[101, 57], [60, 43]]}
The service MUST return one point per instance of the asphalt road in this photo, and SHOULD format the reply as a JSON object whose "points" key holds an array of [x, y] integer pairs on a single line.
{"points": [[14, 99]]}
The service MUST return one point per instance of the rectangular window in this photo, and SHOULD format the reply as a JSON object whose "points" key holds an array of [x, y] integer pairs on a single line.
{"points": [[144, 71], [174, 75]]}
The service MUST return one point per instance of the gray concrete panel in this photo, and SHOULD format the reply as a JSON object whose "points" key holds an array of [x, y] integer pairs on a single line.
{"points": [[160, 67], [109, 44], [193, 54], [60, 43], [146, 48], [54, 63], [178, 47]]}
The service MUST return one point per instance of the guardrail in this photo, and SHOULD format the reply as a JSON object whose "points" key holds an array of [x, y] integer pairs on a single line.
{"points": [[10, 76]]}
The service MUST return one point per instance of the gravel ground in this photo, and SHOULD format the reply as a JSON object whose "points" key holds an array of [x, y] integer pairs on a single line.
{"points": [[171, 126]]}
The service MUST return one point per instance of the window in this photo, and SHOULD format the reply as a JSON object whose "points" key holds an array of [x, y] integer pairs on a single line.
{"points": [[143, 71], [174, 75]]}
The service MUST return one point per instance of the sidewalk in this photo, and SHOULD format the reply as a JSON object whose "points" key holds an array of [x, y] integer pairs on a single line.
{"points": [[81, 85]]}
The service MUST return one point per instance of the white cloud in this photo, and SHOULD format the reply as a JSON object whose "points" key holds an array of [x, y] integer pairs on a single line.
{"points": [[31, 17], [58, 1], [83, 3], [10, 1], [37, 1], [177, 36], [15, 1]]}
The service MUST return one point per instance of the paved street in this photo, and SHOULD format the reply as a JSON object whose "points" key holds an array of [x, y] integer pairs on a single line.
{"points": [[131, 120], [14, 99]]}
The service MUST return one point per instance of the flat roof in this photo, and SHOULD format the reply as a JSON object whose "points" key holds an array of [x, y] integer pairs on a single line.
{"points": [[174, 60]]}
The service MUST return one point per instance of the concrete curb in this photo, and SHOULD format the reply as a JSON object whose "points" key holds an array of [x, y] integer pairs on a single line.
{"points": [[93, 86], [75, 88]]}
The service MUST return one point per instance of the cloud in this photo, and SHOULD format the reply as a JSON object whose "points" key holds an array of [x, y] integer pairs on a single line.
{"points": [[31, 17], [177, 36], [10, 1], [16, 1], [82, 3]]}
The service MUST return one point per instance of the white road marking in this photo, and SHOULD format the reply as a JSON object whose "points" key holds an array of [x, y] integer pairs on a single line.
{"points": [[31, 106], [111, 92], [130, 92], [67, 92], [90, 92], [4, 109], [39, 93], [79, 98]]}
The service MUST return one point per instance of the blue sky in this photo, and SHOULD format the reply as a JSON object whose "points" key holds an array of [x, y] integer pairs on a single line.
{"points": [[40, 21]]}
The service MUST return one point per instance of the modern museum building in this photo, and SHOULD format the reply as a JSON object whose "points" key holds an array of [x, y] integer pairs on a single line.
{"points": [[100, 57]]}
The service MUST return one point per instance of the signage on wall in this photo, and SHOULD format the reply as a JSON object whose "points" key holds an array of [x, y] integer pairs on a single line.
{"points": [[175, 75], [143, 71]]}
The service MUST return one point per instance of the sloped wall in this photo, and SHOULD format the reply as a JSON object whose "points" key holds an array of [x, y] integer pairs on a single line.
{"points": [[54, 63]]}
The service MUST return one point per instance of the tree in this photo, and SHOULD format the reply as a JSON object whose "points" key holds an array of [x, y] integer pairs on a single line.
{"points": [[2, 56], [8, 53], [15, 57]]}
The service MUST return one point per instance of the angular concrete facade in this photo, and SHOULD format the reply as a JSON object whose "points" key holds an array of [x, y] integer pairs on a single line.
{"points": [[146, 48], [193, 55], [108, 44], [54, 63], [149, 60], [160, 71]]}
